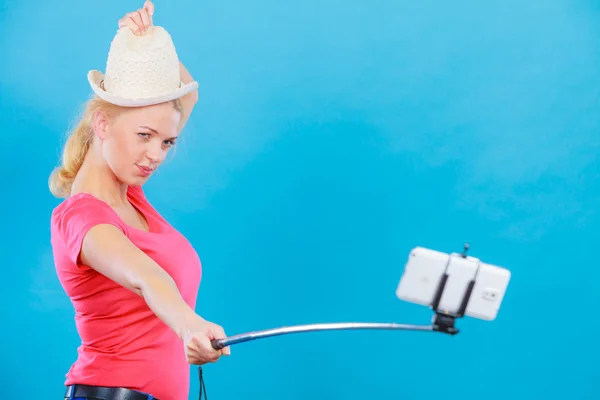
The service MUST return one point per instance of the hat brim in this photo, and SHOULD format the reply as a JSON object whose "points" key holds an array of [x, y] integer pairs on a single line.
{"points": [[95, 79]]}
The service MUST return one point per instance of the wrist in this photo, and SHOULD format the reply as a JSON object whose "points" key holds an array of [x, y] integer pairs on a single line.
{"points": [[188, 319]]}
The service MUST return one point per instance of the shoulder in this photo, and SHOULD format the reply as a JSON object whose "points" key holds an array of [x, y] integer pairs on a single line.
{"points": [[79, 212], [73, 219], [80, 204]]}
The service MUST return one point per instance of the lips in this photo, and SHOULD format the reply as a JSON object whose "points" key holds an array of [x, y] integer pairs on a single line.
{"points": [[145, 171]]}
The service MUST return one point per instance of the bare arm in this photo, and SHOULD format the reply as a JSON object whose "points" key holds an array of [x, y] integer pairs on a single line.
{"points": [[107, 250], [190, 99]]}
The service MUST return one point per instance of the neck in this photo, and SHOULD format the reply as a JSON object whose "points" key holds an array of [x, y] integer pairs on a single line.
{"points": [[96, 177]]}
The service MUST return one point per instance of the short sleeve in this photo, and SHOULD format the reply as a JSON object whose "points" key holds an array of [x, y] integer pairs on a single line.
{"points": [[74, 218]]}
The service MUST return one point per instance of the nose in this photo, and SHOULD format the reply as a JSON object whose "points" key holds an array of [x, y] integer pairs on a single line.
{"points": [[154, 152]]}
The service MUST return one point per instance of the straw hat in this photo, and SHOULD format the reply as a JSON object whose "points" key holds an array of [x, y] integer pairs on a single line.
{"points": [[140, 70]]}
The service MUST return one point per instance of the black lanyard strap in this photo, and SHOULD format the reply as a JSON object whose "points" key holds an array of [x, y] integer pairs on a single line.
{"points": [[202, 385]]}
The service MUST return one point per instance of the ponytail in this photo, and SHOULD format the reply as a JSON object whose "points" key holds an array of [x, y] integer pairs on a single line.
{"points": [[76, 148], [73, 155]]}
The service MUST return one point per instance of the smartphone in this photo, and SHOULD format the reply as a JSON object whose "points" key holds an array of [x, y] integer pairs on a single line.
{"points": [[426, 269]]}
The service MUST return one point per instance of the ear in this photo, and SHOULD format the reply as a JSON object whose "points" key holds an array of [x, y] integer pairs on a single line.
{"points": [[100, 124]]}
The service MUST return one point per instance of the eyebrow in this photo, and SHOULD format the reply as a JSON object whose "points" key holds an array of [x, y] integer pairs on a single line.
{"points": [[150, 129], [155, 131]]}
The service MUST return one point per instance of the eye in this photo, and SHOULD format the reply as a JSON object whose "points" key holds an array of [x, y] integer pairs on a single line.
{"points": [[169, 143], [144, 135]]}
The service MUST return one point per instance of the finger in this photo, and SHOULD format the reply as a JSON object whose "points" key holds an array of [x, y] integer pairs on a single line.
{"points": [[220, 334], [137, 19], [145, 18], [122, 22], [205, 349], [129, 23], [149, 6], [198, 353]]}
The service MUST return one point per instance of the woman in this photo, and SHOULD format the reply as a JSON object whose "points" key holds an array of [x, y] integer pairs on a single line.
{"points": [[131, 277]]}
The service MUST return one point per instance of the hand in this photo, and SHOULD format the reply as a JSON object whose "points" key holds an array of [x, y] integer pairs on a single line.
{"points": [[140, 20], [197, 338]]}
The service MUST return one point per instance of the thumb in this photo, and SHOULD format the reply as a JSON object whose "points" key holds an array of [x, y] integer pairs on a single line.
{"points": [[148, 6], [226, 351], [217, 332]]}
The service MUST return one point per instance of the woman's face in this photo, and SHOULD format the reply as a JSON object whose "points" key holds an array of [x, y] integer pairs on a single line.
{"points": [[136, 142]]}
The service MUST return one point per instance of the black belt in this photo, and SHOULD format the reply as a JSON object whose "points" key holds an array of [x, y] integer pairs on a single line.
{"points": [[104, 393], [113, 393]]}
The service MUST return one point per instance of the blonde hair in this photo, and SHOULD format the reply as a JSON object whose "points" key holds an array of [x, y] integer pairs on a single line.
{"points": [[78, 143]]}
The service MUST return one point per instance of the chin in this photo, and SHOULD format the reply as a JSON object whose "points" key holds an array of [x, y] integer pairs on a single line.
{"points": [[133, 180], [139, 181]]}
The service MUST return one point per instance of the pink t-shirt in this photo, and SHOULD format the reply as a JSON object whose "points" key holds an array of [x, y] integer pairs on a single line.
{"points": [[123, 343]]}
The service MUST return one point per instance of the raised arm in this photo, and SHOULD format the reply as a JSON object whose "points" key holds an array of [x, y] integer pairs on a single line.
{"points": [[190, 99]]}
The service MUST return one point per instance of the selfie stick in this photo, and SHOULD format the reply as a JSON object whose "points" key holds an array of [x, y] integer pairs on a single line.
{"points": [[443, 321]]}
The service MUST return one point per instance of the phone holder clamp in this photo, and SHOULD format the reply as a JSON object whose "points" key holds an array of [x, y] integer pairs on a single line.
{"points": [[444, 321]]}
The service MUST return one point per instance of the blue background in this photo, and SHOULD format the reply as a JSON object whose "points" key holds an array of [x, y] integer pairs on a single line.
{"points": [[330, 138]]}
